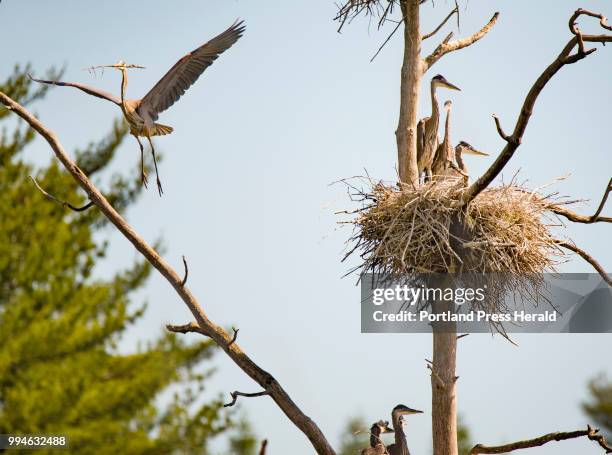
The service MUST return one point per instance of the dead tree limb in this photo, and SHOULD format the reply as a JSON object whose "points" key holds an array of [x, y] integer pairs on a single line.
{"points": [[442, 24], [264, 446], [59, 201], [235, 394], [212, 330], [596, 217], [587, 257], [514, 141], [186, 267], [591, 433], [446, 47], [192, 327]]}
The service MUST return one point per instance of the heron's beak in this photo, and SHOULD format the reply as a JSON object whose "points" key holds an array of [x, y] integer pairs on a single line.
{"points": [[450, 86], [410, 411], [388, 430], [473, 151]]}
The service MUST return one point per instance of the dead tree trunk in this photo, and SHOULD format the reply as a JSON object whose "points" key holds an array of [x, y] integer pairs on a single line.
{"points": [[409, 94], [443, 379]]}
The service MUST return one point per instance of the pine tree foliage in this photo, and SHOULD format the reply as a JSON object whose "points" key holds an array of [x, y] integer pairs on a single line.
{"points": [[60, 370]]}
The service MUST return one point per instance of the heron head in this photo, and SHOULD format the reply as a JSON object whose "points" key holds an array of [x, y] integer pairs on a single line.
{"points": [[121, 65], [469, 150], [440, 81], [383, 426], [448, 104], [405, 410]]}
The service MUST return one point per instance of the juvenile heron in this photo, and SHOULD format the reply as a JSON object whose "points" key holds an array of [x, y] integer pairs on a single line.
{"points": [[142, 113], [427, 128], [464, 147], [377, 447], [400, 447]]}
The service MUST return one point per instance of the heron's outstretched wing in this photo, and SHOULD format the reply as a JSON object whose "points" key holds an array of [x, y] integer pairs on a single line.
{"points": [[186, 71], [86, 88]]}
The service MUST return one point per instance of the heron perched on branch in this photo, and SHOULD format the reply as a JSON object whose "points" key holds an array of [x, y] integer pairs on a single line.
{"points": [[427, 128], [377, 447], [400, 447], [142, 113]]}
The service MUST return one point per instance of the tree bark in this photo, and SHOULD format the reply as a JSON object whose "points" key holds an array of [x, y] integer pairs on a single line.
{"points": [[443, 381], [409, 94]]}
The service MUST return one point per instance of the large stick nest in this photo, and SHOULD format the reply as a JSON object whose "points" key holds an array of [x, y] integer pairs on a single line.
{"points": [[423, 230]]}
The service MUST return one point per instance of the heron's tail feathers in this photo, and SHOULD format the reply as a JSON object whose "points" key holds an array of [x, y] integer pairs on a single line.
{"points": [[162, 130]]}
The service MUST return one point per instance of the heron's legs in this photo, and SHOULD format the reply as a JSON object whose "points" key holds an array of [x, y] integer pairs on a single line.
{"points": [[159, 185], [143, 174]]}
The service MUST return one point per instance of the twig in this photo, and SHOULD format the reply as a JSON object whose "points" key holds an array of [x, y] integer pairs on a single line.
{"points": [[462, 336], [59, 201], [192, 327], [445, 47], [387, 40], [235, 394], [587, 257], [264, 446], [437, 29], [214, 331], [234, 337], [186, 272], [596, 217], [514, 141], [435, 374], [590, 432], [500, 130]]}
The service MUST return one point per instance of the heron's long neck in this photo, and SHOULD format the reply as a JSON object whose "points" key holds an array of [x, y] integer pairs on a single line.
{"points": [[447, 139], [124, 83], [374, 437], [435, 111], [400, 437], [459, 158]]}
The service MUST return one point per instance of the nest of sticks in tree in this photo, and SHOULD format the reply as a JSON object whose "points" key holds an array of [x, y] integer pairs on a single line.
{"points": [[412, 231]]}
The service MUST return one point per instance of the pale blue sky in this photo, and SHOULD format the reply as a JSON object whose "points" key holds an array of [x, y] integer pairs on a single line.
{"points": [[292, 107]]}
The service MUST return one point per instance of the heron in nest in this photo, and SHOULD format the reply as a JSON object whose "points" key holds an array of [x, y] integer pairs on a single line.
{"points": [[142, 113], [377, 447], [400, 447], [449, 161], [427, 128]]}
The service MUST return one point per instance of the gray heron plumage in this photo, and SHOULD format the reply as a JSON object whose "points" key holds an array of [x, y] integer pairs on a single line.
{"points": [[400, 447], [141, 114], [377, 447], [427, 128], [460, 149]]}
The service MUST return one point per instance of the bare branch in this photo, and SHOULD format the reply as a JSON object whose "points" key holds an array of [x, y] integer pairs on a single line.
{"points": [[590, 433], [514, 141], [437, 29], [387, 40], [184, 282], [59, 201], [237, 394], [445, 47], [264, 446], [235, 336], [192, 327], [587, 257], [214, 331], [500, 130], [577, 218]]}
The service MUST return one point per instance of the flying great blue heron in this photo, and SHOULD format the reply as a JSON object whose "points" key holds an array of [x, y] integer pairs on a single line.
{"points": [[427, 128], [142, 113], [377, 447], [400, 447]]}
